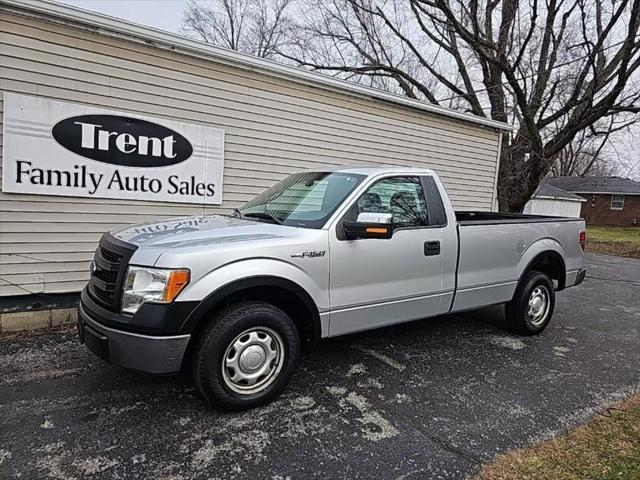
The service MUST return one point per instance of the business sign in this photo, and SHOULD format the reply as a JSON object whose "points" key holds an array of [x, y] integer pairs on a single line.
{"points": [[59, 148]]}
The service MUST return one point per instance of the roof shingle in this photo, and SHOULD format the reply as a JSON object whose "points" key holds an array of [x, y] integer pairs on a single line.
{"points": [[596, 185], [547, 190]]}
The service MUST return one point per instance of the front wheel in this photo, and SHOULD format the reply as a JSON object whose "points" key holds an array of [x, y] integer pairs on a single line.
{"points": [[531, 308], [246, 356]]}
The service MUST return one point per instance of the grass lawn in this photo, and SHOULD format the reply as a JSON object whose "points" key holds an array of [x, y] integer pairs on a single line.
{"points": [[624, 242], [606, 448]]}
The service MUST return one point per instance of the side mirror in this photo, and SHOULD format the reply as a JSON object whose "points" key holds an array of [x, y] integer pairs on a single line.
{"points": [[369, 225]]}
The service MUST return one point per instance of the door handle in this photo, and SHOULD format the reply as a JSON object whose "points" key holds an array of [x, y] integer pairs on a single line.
{"points": [[431, 248]]}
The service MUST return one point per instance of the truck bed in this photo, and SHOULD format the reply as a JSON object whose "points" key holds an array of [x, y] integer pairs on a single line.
{"points": [[492, 218], [495, 248]]}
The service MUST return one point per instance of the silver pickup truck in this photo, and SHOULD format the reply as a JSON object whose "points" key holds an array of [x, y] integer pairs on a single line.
{"points": [[319, 254]]}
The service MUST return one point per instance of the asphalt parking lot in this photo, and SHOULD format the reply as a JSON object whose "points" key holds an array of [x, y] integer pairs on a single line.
{"points": [[432, 399]]}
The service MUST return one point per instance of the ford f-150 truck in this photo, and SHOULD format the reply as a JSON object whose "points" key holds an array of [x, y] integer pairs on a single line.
{"points": [[320, 254]]}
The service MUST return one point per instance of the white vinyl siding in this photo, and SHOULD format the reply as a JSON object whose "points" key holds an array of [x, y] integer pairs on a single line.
{"points": [[553, 207], [273, 127]]}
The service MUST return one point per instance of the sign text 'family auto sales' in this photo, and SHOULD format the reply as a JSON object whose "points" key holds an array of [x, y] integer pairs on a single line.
{"points": [[59, 148]]}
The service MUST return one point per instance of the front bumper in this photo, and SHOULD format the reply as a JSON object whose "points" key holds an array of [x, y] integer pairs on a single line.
{"points": [[147, 353]]}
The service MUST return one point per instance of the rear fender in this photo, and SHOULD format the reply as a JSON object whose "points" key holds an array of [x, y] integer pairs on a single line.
{"points": [[533, 253]]}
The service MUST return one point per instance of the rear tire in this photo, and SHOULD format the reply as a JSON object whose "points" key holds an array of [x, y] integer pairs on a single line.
{"points": [[246, 356], [531, 309]]}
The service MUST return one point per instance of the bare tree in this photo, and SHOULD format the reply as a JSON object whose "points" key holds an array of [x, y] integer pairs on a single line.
{"points": [[583, 156], [257, 27], [625, 150], [554, 69], [564, 72], [591, 150]]}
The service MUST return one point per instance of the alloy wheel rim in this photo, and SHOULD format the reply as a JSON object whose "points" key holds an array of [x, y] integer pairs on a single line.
{"points": [[538, 306], [253, 360]]}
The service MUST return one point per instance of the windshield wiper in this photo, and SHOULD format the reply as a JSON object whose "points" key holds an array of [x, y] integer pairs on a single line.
{"points": [[263, 215], [237, 212]]}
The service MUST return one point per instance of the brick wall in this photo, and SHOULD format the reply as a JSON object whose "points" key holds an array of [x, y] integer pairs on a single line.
{"points": [[597, 211]]}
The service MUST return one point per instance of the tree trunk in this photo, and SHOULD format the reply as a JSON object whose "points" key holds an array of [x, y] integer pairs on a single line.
{"points": [[520, 173]]}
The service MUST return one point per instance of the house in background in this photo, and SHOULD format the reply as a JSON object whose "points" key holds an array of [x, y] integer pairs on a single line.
{"points": [[606, 200], [553, 201]]}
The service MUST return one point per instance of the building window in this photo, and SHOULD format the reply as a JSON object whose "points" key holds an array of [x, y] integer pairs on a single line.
{"points": [[617, 202]]}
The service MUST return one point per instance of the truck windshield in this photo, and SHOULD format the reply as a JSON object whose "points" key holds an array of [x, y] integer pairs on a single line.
{"points": [[302, 200]]}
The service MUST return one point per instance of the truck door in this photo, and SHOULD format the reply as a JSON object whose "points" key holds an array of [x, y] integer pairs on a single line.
{"points": [[375, 281]]}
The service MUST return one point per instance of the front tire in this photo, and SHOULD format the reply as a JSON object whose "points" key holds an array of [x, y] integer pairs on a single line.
{"points": [[531, 309], [246, 356]]}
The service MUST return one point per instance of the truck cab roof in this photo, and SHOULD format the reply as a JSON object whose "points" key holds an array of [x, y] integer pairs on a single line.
{"points": [[370, 170]]}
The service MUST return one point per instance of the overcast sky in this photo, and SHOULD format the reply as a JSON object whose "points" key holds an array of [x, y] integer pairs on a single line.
{"points": [[163, 14]]}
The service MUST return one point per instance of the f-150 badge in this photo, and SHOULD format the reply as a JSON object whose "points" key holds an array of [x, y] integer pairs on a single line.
{"points": [[309, 254]]}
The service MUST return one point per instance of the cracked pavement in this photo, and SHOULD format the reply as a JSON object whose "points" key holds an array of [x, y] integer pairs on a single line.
{"points": [[430, 399]]}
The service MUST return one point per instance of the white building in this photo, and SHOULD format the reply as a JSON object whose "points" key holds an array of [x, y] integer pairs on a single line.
{"points": [[555, 202]]}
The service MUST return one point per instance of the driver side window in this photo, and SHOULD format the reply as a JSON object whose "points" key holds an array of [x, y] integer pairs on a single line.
{"points": [[402, 197]]}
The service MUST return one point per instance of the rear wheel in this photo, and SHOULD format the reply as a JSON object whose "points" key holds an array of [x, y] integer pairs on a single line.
{"points": [[531, 309], [246, 356]]}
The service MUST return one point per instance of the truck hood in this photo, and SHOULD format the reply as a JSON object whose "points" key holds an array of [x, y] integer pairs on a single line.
{"points": [[198, 230]]}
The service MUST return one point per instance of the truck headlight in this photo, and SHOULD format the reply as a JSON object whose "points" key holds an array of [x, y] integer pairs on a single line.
{"points": [[154, 285]]}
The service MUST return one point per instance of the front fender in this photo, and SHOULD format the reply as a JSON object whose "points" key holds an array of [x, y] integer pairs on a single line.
{"points": [[257, 267]]}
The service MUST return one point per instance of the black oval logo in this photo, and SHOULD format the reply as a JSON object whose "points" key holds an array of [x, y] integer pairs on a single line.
{"points": [[124, 141]]}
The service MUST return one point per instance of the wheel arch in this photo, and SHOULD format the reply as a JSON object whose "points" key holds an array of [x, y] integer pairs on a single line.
{"points": [[551, 263], [280, 292]]}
